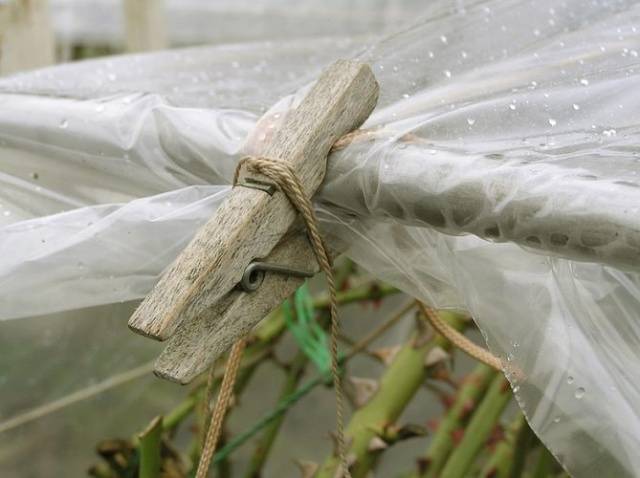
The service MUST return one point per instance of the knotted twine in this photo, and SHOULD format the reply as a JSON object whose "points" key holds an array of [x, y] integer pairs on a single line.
{"points": [[282, 174]]}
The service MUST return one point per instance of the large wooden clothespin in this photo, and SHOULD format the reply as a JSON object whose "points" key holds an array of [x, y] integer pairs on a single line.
{"points": [[250, 255]]}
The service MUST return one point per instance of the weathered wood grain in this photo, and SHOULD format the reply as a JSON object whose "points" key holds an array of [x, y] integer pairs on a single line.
{"points": [[250, 223], [198, 342]]}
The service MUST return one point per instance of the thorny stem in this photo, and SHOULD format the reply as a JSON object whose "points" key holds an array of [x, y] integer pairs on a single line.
{"points": [[398, 385], [265, 336], [479, 429], [472, 389], [499, 463], [300, 392]]}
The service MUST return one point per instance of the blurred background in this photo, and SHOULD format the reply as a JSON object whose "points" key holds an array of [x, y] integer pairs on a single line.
{"points": [[38, 33]]}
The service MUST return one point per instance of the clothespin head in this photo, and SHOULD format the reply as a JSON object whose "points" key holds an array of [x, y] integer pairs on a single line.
{"points": [[198, 298]]}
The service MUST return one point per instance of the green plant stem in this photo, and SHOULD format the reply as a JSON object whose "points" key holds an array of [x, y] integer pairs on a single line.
{"points": [[499, 463], [545, 465], [293, 377], [358, 294], [178, 414], [267, 333], [477, 432], [282, 408], [466, 399], [525, 438], [293, 398], [398, 385], [266, 441], [150, 442]]}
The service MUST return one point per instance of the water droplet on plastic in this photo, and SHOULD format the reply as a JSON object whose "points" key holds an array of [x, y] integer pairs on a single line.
{"points": [[512, 106], [570, 379], [430, 54], [100, 108], [584, 82], [579, 393], [471, 121], [395, 69], [536, 32], [64, 123], [444, 39], [556, 420], [405, 96], [447, 73], [609, 132], [552, 122], [576, 106]]}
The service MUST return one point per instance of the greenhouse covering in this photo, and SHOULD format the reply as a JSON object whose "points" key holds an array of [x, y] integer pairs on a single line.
{"points": [[497, 175]]}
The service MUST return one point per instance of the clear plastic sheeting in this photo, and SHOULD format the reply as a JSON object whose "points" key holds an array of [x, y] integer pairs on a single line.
{"points": [[498, 174]]}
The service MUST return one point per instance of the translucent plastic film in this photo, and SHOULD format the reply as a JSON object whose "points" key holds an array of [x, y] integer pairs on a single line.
{"points": [[498, 174]]}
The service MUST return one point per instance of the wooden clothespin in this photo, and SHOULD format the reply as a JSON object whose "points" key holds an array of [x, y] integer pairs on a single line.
{"points": [[250, 255]]}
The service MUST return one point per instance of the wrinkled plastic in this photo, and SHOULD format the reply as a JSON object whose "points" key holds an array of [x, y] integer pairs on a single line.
{"points": [[137, 152]]}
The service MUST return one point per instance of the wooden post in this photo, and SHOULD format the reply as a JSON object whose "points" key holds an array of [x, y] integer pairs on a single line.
{"points": [[26, 36], [198, 297], [145, 25]]}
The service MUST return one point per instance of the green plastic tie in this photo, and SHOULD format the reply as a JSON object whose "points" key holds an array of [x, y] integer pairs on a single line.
{"points": [[311, 338]]}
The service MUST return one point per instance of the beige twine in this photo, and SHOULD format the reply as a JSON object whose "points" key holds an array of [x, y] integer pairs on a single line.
{"points": [[459, 340], [285, 178], [220, 410]]}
